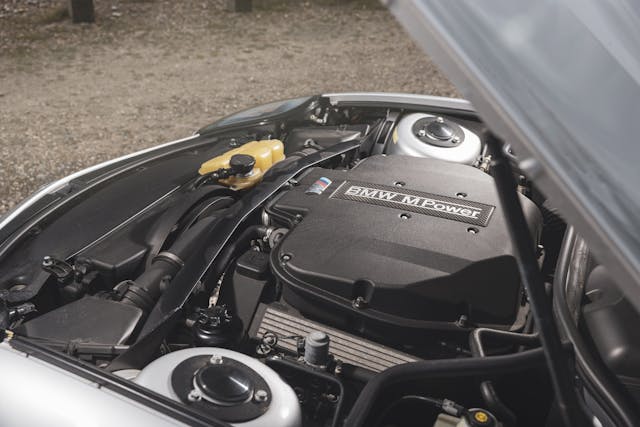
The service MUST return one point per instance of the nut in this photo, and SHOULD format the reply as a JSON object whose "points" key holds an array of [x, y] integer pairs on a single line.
{"points": [[359, 302], [194, 396], [261, 395]]}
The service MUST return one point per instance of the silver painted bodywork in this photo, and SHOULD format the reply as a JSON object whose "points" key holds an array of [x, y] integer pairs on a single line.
{"points": [[37, 394], [407, 144], [284, 410]]}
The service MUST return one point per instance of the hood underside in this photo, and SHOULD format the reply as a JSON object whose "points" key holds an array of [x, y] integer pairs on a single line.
{"points": [[559, 81]]}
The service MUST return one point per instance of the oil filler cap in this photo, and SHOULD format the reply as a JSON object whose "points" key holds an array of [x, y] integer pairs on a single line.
{"points": [[223, 384]]}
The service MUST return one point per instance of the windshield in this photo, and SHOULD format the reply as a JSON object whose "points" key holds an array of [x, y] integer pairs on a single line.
{"points": [[261, 111]]}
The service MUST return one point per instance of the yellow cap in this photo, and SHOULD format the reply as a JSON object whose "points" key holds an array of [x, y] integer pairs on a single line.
{"points": [[481, 417]]}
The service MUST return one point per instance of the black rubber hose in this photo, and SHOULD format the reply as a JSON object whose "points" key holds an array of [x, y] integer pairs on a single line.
{"points": [[186, 244], [164, 226], [477, 336], [485, 367], [560, 370], [242, 243], [147, 288], [489, 394]]}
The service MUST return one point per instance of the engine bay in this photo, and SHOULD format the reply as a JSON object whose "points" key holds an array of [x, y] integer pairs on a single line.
{"points": [[306, 256]]}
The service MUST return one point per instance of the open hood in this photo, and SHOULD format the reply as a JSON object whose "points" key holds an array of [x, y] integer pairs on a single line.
{"points": [[559, 80]]}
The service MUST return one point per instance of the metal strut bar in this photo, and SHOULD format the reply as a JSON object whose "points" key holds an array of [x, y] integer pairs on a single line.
{"points": [[559, 368]]}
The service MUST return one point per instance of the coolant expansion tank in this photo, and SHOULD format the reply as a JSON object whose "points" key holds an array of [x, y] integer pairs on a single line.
{"points": [[266, 153]]}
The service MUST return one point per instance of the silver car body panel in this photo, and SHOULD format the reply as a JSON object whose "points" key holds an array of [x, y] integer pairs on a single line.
{"points": [[36, 393], [560, 81]]}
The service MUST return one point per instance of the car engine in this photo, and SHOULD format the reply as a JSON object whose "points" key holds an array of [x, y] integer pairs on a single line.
{"points": [[307, 256], [398, 245]]}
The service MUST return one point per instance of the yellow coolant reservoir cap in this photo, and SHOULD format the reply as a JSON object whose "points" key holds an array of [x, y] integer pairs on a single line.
{"points": [[249, 162]]}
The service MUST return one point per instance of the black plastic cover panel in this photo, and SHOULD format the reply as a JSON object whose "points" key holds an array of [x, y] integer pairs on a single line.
{"points": [[89, 319], [421, 241]]}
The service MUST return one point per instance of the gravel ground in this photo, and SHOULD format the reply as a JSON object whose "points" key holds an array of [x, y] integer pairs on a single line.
{"points": [[152, 71]]}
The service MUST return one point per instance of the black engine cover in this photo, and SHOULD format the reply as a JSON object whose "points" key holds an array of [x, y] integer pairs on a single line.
{"points": [[399, 241]]}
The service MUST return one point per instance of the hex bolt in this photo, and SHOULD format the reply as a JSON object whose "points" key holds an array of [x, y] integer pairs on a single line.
{"points": [[439, 119], [216, 359], [359, 302], [422, 133], [47, 261], [194, 396], [261, 395]]}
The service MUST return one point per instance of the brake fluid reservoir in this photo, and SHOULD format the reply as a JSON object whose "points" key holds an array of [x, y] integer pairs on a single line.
{"points": [[266, 153]]}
